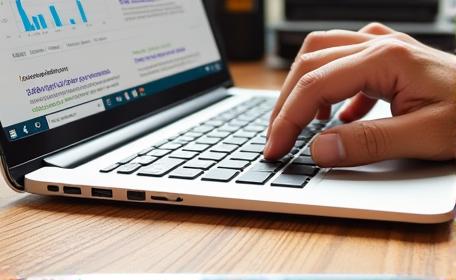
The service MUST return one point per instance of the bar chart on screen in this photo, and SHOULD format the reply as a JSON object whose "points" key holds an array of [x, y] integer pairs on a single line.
{"points": [[32, 16], [38, 21]]}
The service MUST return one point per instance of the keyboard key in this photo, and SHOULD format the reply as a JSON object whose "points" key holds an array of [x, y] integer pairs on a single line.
{"points": [[203, 129], [259, 140], [234, 164], [229, 128], [128, 168], [253, 148], [110, 168], [316, 127], [267, 167], [235, 141], [220, 175], [244, 156], [200, 164], [306, 152], [192, 134], [145, 151], [128, 159], [254, 177], [218, 134], [290, 181], [161, 143], [195, 147], [183, 155], [255, 112], [239, 123], [300, 143], [224, 148], [159, 153], [267, 116], [172, 138], [144, 160], [240, 109], [170, 146], [284, 160], [294, 151], [304, 160], [185, 173], [208, 140], [244, 134], [212, 156], [228, 116], [183, 139], [262, 122], [185, 131], [214, 123], [321, 126], [306, 134], [248, 118], [255, 101], [301, 170], [161, 167], [254, 128]]}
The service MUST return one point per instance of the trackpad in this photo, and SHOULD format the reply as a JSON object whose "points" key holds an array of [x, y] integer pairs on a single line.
{"points": [[409, 186], [394, 170]]}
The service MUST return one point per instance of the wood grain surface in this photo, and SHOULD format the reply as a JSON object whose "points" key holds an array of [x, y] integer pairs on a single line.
{"points": [[41, 235]]}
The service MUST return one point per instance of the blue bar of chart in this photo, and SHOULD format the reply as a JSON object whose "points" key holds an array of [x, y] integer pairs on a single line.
{"points": [[36, 23], [55, 16], [81, 11], [43, 20]]}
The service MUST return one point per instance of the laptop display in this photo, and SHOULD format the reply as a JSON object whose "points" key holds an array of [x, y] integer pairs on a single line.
{"points": [[64, 61]]}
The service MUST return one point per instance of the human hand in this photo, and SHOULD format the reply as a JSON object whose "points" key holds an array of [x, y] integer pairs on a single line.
{"points": [[374, 63]]}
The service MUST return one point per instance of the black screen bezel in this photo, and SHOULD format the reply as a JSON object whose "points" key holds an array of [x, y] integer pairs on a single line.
{"points": [[29, 150]]}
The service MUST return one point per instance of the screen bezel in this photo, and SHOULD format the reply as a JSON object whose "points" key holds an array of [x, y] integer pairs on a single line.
{"points": [[25, 155]]}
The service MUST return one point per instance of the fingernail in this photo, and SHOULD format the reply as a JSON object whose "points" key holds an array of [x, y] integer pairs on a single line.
{"points": [[328, 150]]}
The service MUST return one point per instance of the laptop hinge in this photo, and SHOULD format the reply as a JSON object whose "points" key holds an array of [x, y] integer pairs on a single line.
{"points": [[92, 149]]}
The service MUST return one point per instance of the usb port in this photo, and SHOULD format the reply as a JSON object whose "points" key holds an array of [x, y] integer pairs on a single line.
{"points": [[102, 193], [53, 188], [136, 196], [72, 190]]}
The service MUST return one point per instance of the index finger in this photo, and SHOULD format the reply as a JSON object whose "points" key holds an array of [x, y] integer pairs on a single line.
{"points": [[331, 83], [322, 40]]}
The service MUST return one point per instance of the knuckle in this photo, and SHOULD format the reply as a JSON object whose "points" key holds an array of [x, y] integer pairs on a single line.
{"points": [[400, 36], [375, 27], [303, 61], [373, 140], [307, 60], [391, 47], [309, 79], [313, 40]]}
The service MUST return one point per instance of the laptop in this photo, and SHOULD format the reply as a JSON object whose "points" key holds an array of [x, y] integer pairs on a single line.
{"points": [[133, 101]]}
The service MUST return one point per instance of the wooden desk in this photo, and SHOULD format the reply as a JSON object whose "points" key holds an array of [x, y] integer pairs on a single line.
{"points": [[40, 235]]}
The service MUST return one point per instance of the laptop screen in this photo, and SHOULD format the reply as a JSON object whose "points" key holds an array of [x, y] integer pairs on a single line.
{"points": [[64, 61]]}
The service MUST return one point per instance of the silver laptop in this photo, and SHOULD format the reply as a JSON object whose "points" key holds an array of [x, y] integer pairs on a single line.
{"points": [[132, 101]]}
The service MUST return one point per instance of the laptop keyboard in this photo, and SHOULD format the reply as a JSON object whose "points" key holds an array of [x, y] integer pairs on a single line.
{"points": [[226, 148]]}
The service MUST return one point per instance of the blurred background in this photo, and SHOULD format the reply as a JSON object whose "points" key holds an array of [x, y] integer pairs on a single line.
{"points": [[273, 30]]}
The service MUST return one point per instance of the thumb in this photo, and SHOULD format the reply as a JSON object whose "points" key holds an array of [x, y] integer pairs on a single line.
{"points": [[366, 142]]}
